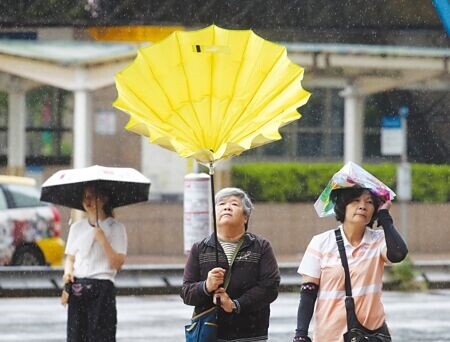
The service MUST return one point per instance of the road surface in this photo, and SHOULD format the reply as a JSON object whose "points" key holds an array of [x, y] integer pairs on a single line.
{"points": [[411, 317]]}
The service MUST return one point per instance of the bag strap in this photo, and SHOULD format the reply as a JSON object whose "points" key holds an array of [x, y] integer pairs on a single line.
{"points": [[236, 250], [349, 301], [343, 255], [352, 319]]}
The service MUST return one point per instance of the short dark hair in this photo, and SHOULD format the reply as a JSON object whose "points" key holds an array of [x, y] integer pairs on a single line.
{"points": [[342, 197]]}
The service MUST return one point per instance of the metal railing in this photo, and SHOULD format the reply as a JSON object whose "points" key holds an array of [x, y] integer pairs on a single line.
{"points": [[38, 281]]}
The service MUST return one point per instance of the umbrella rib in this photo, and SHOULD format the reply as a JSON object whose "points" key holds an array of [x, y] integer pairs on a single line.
{"points": [[263, 123], [230, 127], [190, 102], [217, 140], [167, 97], [142, 101]]}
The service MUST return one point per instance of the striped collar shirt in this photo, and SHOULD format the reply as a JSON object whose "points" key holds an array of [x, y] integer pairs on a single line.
{"points": [[321, 260]]}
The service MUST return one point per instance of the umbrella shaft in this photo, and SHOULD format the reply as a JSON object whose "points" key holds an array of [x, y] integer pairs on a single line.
{"points": [[214, 218]]}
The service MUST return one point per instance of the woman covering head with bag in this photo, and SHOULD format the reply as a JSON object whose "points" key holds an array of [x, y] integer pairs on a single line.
{"points": [[245, 281], [367, 250]]}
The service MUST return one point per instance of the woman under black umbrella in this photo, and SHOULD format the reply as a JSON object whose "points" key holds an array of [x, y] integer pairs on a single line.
{"points": [[95, 252]]}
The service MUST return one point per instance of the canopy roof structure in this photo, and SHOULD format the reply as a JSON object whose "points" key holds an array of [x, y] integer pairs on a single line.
{"points": [[59, 63], [90, 65], [69, 65], [373, 68], [66, 52]]}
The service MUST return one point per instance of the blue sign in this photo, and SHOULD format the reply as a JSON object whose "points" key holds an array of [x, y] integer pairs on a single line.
{"points": [[391, 135], [391, 121]]}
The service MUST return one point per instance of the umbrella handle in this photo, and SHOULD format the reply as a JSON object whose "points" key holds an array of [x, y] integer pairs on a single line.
{"points": [[217, 300], [96, 209]]}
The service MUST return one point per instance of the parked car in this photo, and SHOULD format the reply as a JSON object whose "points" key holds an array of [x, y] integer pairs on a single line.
{"points": [[29, 229]]}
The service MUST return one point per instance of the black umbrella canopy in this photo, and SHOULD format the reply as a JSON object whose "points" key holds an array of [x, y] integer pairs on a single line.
{"points": [[124, 186]]}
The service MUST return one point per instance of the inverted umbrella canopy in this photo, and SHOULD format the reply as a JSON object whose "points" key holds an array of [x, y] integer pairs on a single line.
{"points": [[351, 175], [124, 185], [212, 93]]}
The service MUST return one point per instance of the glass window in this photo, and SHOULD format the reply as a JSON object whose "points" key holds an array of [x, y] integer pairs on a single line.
{"points": [[317, 135], [49, 123], [309, 145], [372, 143], [320, 130], [277, 148], [24, 196]]}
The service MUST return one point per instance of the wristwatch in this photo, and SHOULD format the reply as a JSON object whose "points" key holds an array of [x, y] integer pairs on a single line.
{"points": [[234, 306]]}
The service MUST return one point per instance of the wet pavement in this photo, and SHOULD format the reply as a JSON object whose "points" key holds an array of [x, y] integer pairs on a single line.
{"points": [[411, 317]]}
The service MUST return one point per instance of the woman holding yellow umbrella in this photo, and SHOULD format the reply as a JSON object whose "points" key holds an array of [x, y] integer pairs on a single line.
{"points": [[247, 278], [209, 95]]}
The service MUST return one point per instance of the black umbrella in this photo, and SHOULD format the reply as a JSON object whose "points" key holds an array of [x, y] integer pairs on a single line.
{"points": [[123, 185]]}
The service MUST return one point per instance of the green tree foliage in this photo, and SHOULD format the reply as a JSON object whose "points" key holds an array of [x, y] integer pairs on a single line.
{"points": [[303, 182]]}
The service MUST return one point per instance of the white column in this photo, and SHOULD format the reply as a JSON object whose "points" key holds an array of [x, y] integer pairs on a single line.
{"points": [[16, 129], [353, 125], [82, 130]]}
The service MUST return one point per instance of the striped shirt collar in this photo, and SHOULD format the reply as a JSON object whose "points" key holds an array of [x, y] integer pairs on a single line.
{"points": [[248, 239], [365, 240]]}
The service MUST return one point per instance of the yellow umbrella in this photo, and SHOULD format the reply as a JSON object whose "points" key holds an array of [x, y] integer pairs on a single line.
{"points": [[211, 94]]}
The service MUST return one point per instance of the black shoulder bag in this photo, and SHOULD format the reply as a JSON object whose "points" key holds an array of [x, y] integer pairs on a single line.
{"points": [[356, 332]]}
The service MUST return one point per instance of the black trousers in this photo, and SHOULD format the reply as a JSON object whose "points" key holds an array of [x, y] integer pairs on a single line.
{"points": [[92, 314]]}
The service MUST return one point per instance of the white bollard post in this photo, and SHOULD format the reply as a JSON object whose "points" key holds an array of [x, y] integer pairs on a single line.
{"points": [[197, 209]]}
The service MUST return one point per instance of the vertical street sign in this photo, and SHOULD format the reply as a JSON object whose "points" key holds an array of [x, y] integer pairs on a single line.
{"points": [[391, 135]]}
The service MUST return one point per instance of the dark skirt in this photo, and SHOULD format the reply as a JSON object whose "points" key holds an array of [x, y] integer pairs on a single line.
{"points": [[92, 314]]}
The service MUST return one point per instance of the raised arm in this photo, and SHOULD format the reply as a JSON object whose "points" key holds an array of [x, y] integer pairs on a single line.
{"points": [[396, 249]]}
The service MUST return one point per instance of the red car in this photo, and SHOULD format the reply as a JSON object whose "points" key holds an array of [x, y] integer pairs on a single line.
{"points": [[29, 229]]}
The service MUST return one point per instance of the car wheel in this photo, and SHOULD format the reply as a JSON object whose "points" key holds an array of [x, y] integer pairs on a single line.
{"points": [[28, 255]]}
